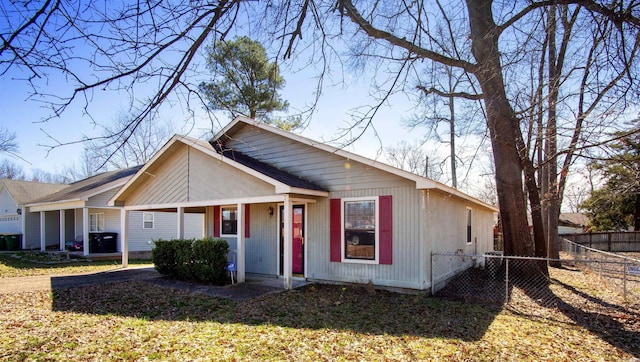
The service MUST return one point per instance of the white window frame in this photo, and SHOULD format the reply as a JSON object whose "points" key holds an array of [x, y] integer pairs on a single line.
{"points": [[152, 221], [99, 216], [468, 222], [221, 221], [345, 259]]}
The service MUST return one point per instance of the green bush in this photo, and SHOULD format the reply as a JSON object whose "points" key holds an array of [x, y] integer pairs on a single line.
{"points": [[200, 260], [163, 256]]}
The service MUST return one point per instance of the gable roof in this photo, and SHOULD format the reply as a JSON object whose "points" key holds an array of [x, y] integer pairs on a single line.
{"points": [[266, 169], [420, 181], [282, 181], [575, 219], [26, 191], [91, 186]]}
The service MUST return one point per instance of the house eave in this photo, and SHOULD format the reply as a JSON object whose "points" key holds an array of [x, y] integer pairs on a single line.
{"points": [[454, 192], [421, 182], [57, 205]]}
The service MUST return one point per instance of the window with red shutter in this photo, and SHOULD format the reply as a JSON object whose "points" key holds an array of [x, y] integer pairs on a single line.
{"points": [[361, 230]]}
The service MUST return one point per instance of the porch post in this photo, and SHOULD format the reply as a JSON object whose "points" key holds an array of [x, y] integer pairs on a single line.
{"points": [[124, 237], [23, 227], [85, 231], [43, 231], [180, 213], [207, 225], [240, 265], [288, 241], [62, 230]]}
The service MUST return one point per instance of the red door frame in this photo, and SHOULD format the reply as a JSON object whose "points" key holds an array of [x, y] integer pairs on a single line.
{"points": [[298, 238]]}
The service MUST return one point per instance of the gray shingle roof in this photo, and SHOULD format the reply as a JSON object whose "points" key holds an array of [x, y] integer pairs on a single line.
{"points": [[268, 170], [26, 191], [90, 186]]}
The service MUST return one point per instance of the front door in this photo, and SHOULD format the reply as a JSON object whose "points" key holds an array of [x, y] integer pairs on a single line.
{"points": [[297, 247]]}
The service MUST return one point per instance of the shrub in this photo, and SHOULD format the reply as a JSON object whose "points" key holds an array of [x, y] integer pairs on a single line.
{"points": [[163, 256], [200, 260], [212, 260]]}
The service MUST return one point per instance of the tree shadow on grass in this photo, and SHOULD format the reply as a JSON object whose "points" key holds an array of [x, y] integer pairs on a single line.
{"points": [[613, 323], [314, 306], [531, 293]]}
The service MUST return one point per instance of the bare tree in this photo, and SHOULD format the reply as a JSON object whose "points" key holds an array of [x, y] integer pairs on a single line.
{"points": [[38, 175], [497, 41], [11, 171], [576, 94], [83, 168], [156, 42], [8, 142], [414, 158], [109, 152], [122, 47]]}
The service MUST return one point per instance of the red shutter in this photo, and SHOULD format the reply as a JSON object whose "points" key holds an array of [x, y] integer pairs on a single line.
{"points": [[247, 214], [216, 221], [335, 230], [386, 230]]}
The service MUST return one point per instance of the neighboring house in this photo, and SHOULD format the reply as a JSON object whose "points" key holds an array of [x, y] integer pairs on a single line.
{"points": [[293, 207], [81, 209], [14, 194], [572, 223]]}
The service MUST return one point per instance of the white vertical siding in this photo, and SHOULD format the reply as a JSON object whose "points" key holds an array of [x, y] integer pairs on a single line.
{"points": [[211, 179], [10, 221], [32, 229], [78, 224], [165, 182], [190, 175], [52, 232], [404, 272], [452, 212], [102, 199], [8, 205], [165, 226], [329, 170], [261, 247], [69, 225]]}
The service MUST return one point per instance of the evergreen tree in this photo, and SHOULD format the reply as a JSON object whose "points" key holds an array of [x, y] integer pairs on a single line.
{"points": [[616, 205], [244, 81]]}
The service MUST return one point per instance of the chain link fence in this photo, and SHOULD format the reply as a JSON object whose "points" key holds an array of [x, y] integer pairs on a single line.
{"points": [[580, 276]]}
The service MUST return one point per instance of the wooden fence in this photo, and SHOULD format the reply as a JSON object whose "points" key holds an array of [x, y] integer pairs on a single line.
{"points": [[627, 241]]}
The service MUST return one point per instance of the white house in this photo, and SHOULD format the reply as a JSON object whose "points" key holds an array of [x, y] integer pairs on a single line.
{"points": [[297, 208], [14, 194], [80, 210]]}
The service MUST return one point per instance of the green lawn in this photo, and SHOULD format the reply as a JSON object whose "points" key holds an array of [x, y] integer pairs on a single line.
{"points": [[142, 321], [134, 321], [33, 264]]}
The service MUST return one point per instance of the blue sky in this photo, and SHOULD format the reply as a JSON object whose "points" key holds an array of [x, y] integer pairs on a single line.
{"points": [[25, 116]]}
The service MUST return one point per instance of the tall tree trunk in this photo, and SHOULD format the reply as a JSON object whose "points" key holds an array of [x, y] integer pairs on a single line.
{"points": [[502, 123], [551, 209], [452, 138], [636, 213]]}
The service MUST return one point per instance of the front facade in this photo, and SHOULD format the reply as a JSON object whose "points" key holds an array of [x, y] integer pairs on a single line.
{"points": [[293, 207], [73, 214], [14, 195]]}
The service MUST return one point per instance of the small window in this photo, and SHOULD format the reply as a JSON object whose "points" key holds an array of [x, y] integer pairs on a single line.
{"points": [[96, 222], [360, 229], [468, 226], [229, 220], [147, 220]]}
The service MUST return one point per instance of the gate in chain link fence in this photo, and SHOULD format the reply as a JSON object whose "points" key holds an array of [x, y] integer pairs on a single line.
{"points": [[521, 281]]}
